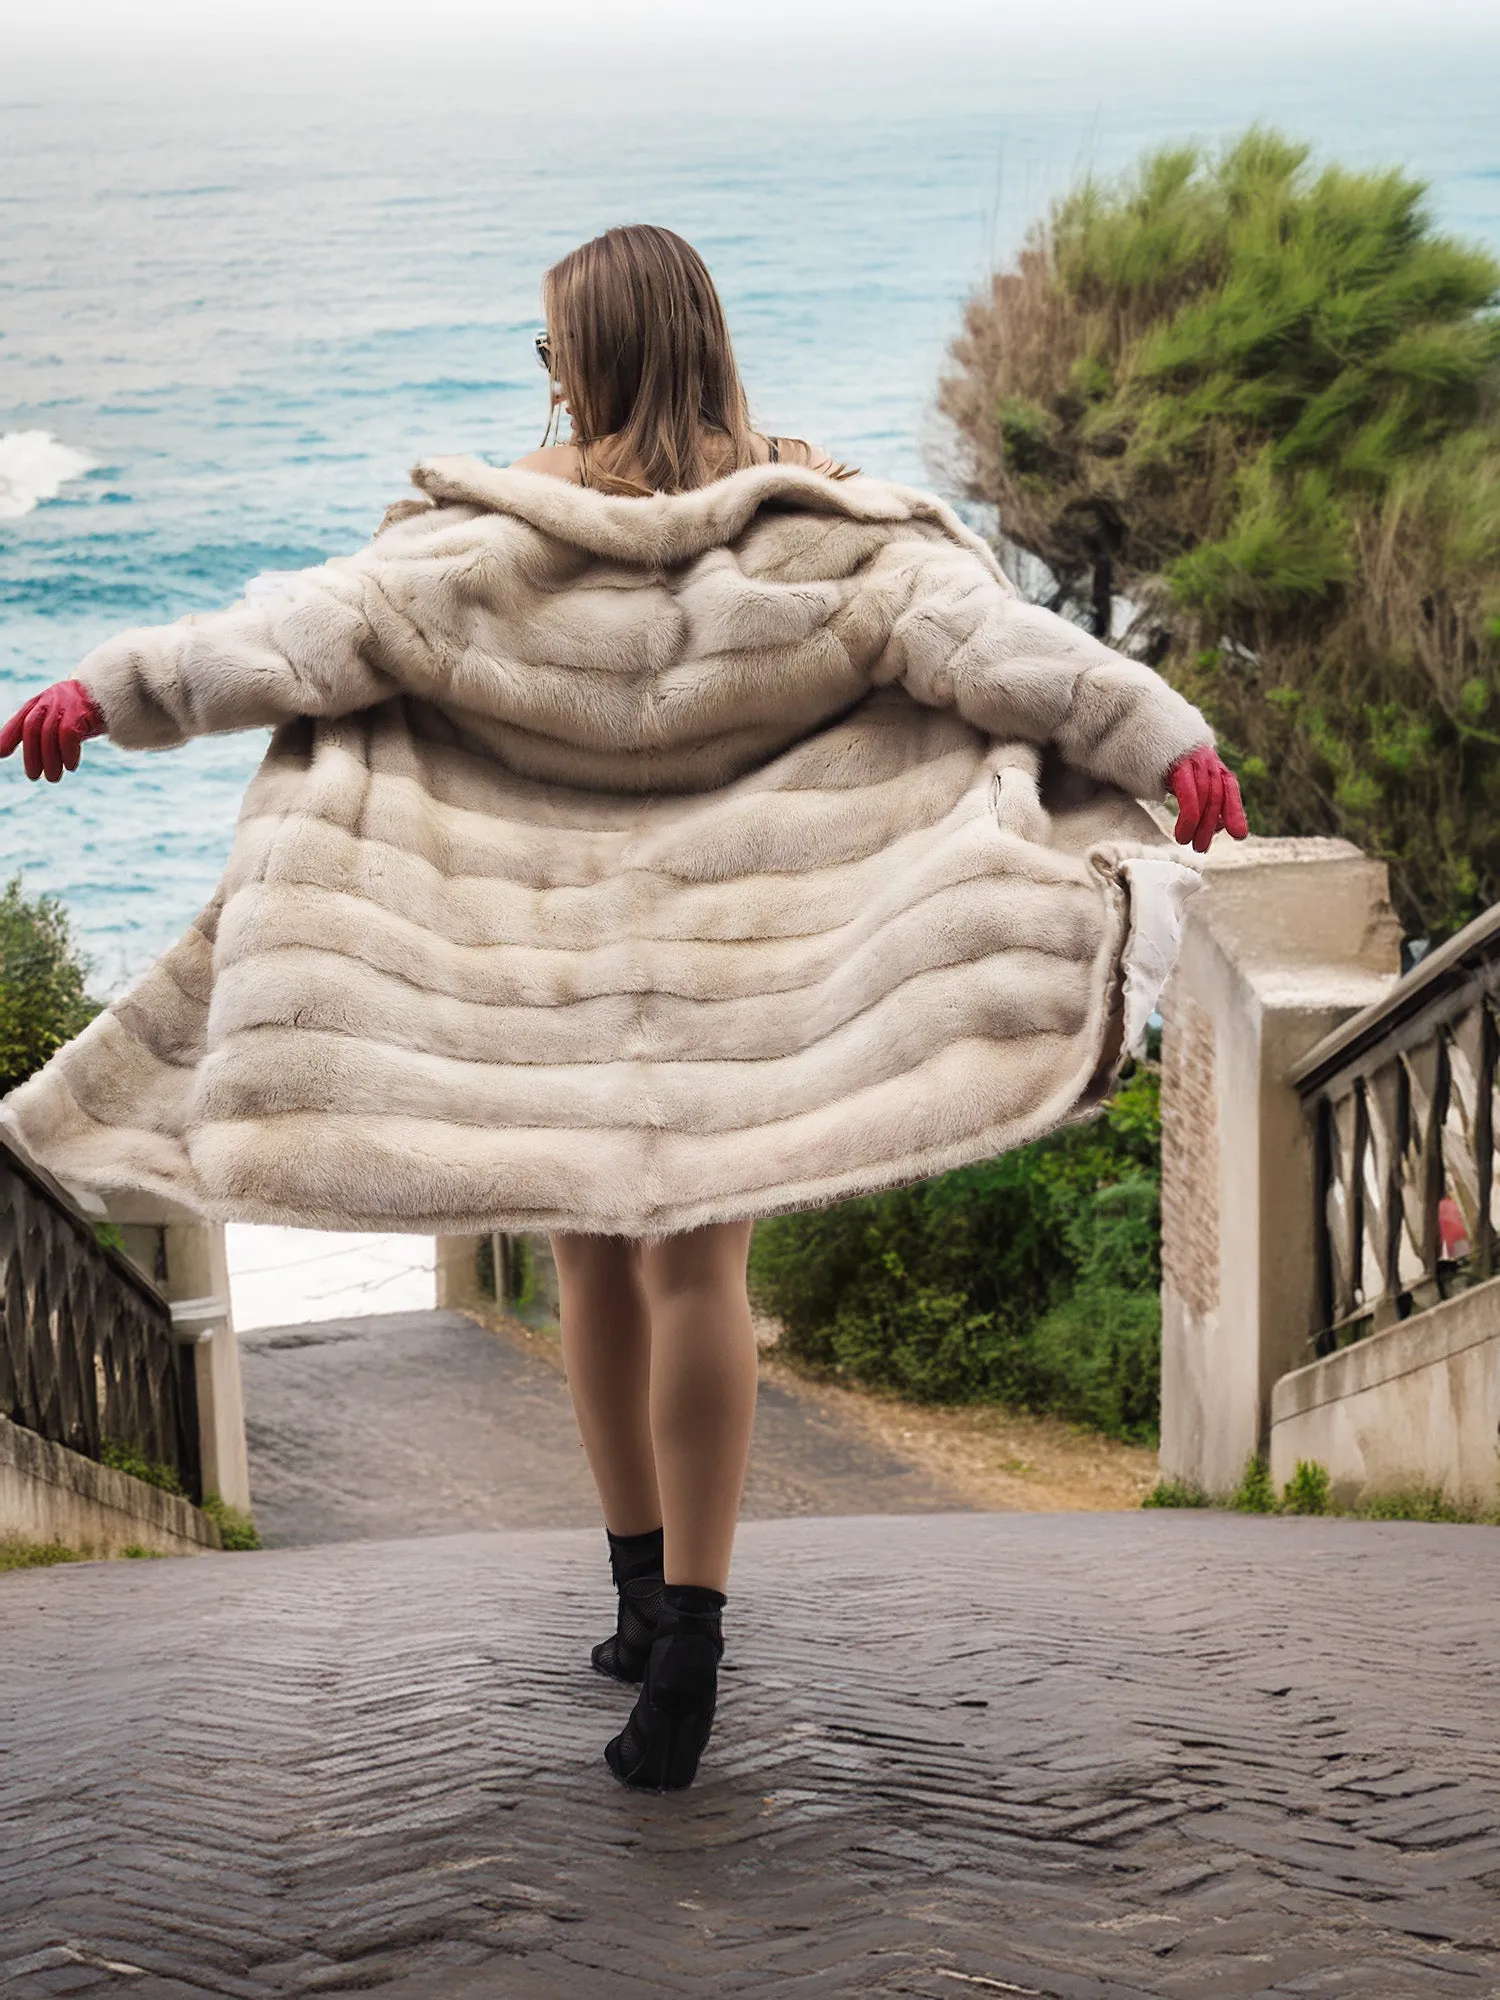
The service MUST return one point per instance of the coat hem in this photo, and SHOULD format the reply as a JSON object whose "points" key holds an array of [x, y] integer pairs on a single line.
{"points": [[1103, 1054]]}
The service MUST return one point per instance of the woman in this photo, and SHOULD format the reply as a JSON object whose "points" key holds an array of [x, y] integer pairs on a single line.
{"points": [[632, 861]]}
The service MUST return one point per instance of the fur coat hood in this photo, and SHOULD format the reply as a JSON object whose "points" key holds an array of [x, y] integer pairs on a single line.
{"points": [[627, 864]]}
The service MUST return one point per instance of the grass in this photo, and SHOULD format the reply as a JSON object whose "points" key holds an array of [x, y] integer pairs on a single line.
{"points": [[1176, 1493], [237, 1530], [998, 1457], [1309, 1491], [17, 1553], [1425, 1504]]}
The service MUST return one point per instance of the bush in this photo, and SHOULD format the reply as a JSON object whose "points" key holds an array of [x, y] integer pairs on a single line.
{"points": [[1306, 1492], [236, 1529], [1031, 1279], [122, 1457], [1097, 1354], [1255, 1494], [42, 999], [1262, 404], [1176, 1493]]}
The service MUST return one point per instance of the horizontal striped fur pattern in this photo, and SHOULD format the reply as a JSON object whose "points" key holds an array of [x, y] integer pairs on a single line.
{"points": [[623, 865]]}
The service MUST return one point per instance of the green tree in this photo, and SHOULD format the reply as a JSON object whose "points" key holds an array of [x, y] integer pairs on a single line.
{"points": [[42, 999], [1031, 1279], [1262, 404]]}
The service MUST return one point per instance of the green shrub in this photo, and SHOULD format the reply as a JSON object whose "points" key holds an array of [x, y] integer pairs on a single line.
{"points": [[1255, 1494], [1176, 1493], [1306, 1492], [1097, 1353], [1031, 1279], [122, 1457], [42, 998], [236, 1529], [1261, 402], [17, 1553]]}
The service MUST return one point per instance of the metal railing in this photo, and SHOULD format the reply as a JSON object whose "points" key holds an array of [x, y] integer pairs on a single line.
{"points": [[1403, 1099], [88, 1353]]}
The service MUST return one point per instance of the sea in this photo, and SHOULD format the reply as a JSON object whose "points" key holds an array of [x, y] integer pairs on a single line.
{"points": [[239, 297], [245, 283]]}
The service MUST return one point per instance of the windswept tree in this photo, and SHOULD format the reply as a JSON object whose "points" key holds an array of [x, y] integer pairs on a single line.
{"points": [[1261, 404]]}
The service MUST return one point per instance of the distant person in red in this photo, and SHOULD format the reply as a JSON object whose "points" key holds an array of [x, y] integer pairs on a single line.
{"points": [[1453, 1231]]}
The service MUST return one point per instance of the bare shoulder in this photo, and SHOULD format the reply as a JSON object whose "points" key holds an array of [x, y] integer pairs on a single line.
{"points": [[558, 461]]}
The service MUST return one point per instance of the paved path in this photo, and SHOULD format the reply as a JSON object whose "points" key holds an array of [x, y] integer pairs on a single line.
{"points": [[1093, 1757], [419, 1423]]}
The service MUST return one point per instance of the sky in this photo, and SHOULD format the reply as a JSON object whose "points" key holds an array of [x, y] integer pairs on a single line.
{"points": [[644, 61], [657, 33]]}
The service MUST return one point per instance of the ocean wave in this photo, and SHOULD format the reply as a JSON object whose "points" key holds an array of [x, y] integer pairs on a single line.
{"points": [[35, 467]]}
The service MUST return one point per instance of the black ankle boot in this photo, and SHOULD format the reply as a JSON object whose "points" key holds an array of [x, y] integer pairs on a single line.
{"points": [[635, 1563], [659, 1747]]}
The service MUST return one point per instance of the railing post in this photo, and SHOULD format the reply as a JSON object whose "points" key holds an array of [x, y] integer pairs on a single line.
{"points": [[1484, 1142], [1322, 1187], [186, 1258]]}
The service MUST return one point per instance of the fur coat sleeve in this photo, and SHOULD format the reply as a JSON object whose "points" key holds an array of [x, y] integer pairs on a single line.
{"points": [[306, 645], [425, 607]]}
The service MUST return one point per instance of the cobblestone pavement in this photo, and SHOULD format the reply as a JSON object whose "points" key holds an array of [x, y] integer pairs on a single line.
{"points": [[417, 1423], [1080, 1756]]}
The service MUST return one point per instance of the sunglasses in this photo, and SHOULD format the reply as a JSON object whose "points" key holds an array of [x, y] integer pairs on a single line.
{"points": [[544, 351]]}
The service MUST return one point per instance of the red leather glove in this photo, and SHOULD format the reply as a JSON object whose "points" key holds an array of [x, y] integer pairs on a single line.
{"points": [[1208, 797], [52, 727]]}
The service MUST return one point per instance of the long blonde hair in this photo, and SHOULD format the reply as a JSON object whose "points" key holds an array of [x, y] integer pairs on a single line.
{"points": [[640, 349]]}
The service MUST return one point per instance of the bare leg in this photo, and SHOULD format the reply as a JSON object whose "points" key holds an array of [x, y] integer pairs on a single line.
{"points": [[703, 1382], [606, 1339]]}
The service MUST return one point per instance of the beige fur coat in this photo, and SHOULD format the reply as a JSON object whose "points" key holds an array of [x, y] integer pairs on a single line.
{"points": [[626, 864]]}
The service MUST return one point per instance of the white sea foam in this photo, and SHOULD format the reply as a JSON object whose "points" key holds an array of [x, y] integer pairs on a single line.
{"points": [[35, 467]]}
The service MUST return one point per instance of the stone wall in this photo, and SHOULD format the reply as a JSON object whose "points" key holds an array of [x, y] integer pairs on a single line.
{"points": [[51, 1494], [1415, 1407]]}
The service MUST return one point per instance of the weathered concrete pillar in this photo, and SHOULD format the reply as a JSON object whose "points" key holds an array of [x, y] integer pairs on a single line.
{"points": [[525, 1274], [185, 1257], [456, 1272], [1286, 939]]}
